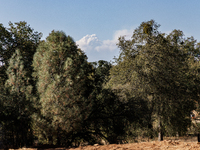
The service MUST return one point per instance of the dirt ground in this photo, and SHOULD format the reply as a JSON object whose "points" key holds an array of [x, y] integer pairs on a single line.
{"points": [[154, 145], [182, 143]]}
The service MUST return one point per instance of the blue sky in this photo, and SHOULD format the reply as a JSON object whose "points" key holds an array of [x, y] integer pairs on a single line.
{"points": [[96, 24]]}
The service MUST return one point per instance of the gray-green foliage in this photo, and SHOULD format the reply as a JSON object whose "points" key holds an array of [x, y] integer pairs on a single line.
{"points": [[62, 72], [113, 114], [18, 101], [156, 66], [18, 82], [18, 36]]}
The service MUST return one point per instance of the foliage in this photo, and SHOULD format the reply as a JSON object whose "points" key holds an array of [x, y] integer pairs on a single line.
{"points": [[16, 71], [17, 105], [157, 67], [63, 85], [18, 36], [110, 115], [50, 92]]}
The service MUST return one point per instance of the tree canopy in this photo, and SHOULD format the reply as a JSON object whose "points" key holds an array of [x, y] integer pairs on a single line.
{"points": [[51, 94], [63, 83], [157, 67]]}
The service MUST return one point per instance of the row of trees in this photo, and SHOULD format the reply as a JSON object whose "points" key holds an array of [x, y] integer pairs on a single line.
{"points": [[52, 94]]}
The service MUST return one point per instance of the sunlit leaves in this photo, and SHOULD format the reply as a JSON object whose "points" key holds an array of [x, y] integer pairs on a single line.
{"points": [[62, 73], [158, 65]]}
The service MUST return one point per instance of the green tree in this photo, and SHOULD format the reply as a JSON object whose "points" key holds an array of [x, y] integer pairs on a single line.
{"points": [[157, 68], [17, 36], [18, 107], [63, 84], [101, 72], [111, 115]]}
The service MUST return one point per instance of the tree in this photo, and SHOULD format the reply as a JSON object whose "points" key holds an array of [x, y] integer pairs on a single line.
{"points": [[110, 115], [157, 68], [18, 36], [63, 84], [101, 71], [18, 107], [22, 37]]}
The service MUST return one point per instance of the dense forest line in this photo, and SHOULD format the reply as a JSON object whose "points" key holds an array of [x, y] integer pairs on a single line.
{"points": [[51, 94]]}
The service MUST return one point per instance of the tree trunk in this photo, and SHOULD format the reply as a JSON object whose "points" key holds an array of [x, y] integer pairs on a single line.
{"points": [[150, 127], [58, 136], [160, 136], [160, 133], [177, 135], [50, 139]]}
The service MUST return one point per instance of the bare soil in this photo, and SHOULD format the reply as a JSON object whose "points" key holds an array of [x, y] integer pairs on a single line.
{"points": [[154, 145]]}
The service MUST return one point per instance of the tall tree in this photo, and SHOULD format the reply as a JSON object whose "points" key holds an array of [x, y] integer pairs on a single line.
{"points": [[111, 115], [63, 83], [101, 71], [157, 68], [18, 36], [19, 102]]}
